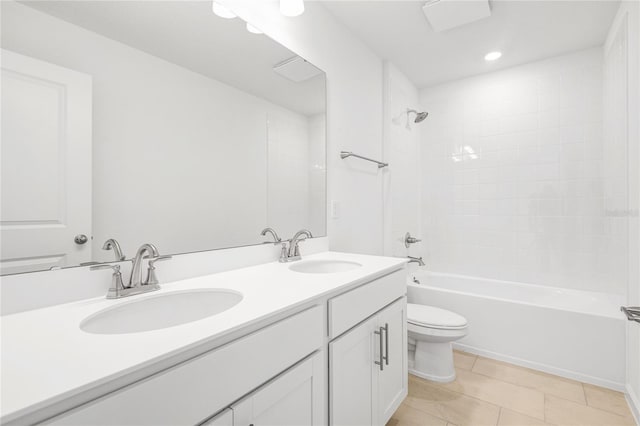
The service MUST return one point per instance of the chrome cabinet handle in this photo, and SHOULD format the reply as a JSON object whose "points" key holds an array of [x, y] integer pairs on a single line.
{"points": [[381, 357], [386, 342], [632, 312]]}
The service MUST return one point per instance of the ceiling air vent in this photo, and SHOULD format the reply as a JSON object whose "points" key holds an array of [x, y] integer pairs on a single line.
{"points": [[447, 14], [296, 69]]}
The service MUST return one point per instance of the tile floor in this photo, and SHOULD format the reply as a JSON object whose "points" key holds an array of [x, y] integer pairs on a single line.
{"points": [[488, 392]]}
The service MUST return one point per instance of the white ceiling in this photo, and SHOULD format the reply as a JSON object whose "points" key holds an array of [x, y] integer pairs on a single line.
{"points": [[188, 34], [523, 30]]}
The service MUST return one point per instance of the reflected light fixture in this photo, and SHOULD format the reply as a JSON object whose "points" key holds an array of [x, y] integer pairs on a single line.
{"points": [[291, 7], [253, 29], [492, 56], [222, 11]]}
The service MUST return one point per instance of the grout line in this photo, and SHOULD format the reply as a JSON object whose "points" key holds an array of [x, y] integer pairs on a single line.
{"points": [[434, 385], [584, 393], [437, 386], [533, 388]]}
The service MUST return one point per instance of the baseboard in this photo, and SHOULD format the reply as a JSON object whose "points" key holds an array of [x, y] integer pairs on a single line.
{"points": [[634, 403], [543, 367]]}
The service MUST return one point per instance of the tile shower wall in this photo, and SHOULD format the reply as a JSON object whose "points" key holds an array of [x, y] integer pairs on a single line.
{"points": [[512, 182]]}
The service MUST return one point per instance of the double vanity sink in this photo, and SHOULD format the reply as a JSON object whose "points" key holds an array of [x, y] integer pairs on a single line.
{"points": [[63, 356], [160, 311]]}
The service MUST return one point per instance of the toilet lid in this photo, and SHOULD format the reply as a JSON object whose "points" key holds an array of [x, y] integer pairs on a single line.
{"points": [[429, 316]]}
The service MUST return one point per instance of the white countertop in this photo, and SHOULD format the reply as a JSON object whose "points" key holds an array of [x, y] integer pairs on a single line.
{"points": [[47, 358]]}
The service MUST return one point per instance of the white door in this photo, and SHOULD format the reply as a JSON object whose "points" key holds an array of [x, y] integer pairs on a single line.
{"points": [[294, 398], [353, 375], [392, 382], [46, 165]]}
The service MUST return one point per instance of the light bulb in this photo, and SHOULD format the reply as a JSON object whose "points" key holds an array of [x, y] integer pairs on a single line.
{"points": [[222, 11], [253, 29], [492, 56], [291, 7]]}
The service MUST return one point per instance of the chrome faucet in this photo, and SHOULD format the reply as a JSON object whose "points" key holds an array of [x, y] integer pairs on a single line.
{"points": [[136, 285], [273, 233], [112, 244], [417, 260], [136, 270], [293, 253]]}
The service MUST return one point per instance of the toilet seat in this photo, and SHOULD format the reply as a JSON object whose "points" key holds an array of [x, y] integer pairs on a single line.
{"points": [[435, 318]]}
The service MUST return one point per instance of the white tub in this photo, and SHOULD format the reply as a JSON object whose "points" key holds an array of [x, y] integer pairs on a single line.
{"points": [[571, 333]]}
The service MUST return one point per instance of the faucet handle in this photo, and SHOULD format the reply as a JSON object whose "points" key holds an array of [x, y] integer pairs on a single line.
{"points": [[152, 278], [116, 280], [116, 268], [408, 240], [159, 259]]}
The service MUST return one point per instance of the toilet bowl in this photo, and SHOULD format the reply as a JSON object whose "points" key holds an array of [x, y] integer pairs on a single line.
{"points": [[431, 331]]}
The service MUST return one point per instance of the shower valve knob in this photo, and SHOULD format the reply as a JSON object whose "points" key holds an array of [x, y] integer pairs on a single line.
{"points": [[408, 240]]}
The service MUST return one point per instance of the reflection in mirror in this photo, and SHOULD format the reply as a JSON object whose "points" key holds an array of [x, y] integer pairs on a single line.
{"points": [[151, 121]]}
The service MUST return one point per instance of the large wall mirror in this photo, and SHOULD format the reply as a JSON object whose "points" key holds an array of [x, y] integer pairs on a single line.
{"points": [[151, 121]]}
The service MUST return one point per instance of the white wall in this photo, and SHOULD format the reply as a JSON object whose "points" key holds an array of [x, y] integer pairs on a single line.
{"points": [[402, 151], [354, 120], [622, 134], [212, 190], [512, 177], [317, 173]]}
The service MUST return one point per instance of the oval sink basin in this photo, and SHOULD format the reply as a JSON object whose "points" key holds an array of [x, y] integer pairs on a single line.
{"points": [[160, 311], [324, 266]]}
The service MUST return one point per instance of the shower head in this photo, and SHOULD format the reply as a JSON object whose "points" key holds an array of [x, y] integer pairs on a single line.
{"points": [[420, 116]]}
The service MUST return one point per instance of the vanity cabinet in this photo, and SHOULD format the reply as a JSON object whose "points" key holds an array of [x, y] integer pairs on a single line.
{"points": [[340, 360], [295, 397], [192, 391], [368, 368]]}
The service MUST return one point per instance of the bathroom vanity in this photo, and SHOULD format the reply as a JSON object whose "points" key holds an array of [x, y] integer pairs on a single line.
{"points": [[327, 345]]}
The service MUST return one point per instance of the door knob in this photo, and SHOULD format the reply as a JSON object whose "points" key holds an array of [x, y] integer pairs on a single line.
{"points": [[80, 239]]}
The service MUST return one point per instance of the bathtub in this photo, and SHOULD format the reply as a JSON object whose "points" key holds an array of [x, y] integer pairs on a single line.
{"points": [[575, 334]]}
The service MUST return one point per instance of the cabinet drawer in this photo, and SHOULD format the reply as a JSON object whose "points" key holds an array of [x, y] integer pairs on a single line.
{"points": [[350, 308], [190, 392]]}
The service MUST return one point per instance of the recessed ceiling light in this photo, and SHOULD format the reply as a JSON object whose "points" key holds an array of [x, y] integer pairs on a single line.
{"points": [[291, 7], [492, 56], [253, 29], [222, 11]]}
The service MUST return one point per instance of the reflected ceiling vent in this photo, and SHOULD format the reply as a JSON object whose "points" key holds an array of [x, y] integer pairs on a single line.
{"points": [[296, 69], [447, 14]]}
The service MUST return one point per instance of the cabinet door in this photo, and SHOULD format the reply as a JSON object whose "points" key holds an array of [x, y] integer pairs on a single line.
{"points": [[353, 375], [392, 380], [293, 398]]}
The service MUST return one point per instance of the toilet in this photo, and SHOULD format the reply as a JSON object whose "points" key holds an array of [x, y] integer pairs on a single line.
{"points": [[431, 331]]}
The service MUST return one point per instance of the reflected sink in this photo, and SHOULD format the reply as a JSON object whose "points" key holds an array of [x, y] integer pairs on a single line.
{"points": [[324, 266], [161, 311]]}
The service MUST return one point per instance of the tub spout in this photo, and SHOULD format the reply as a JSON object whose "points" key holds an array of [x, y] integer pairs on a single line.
{"points": [[417, 260]]}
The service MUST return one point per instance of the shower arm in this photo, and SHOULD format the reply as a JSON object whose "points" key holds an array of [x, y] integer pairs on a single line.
{"points": [[345, 154]]}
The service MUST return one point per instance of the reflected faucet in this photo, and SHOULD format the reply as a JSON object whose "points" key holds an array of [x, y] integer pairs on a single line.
{"points": [[417, 260], [136, 271], [112, 244], [273, 233]]}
